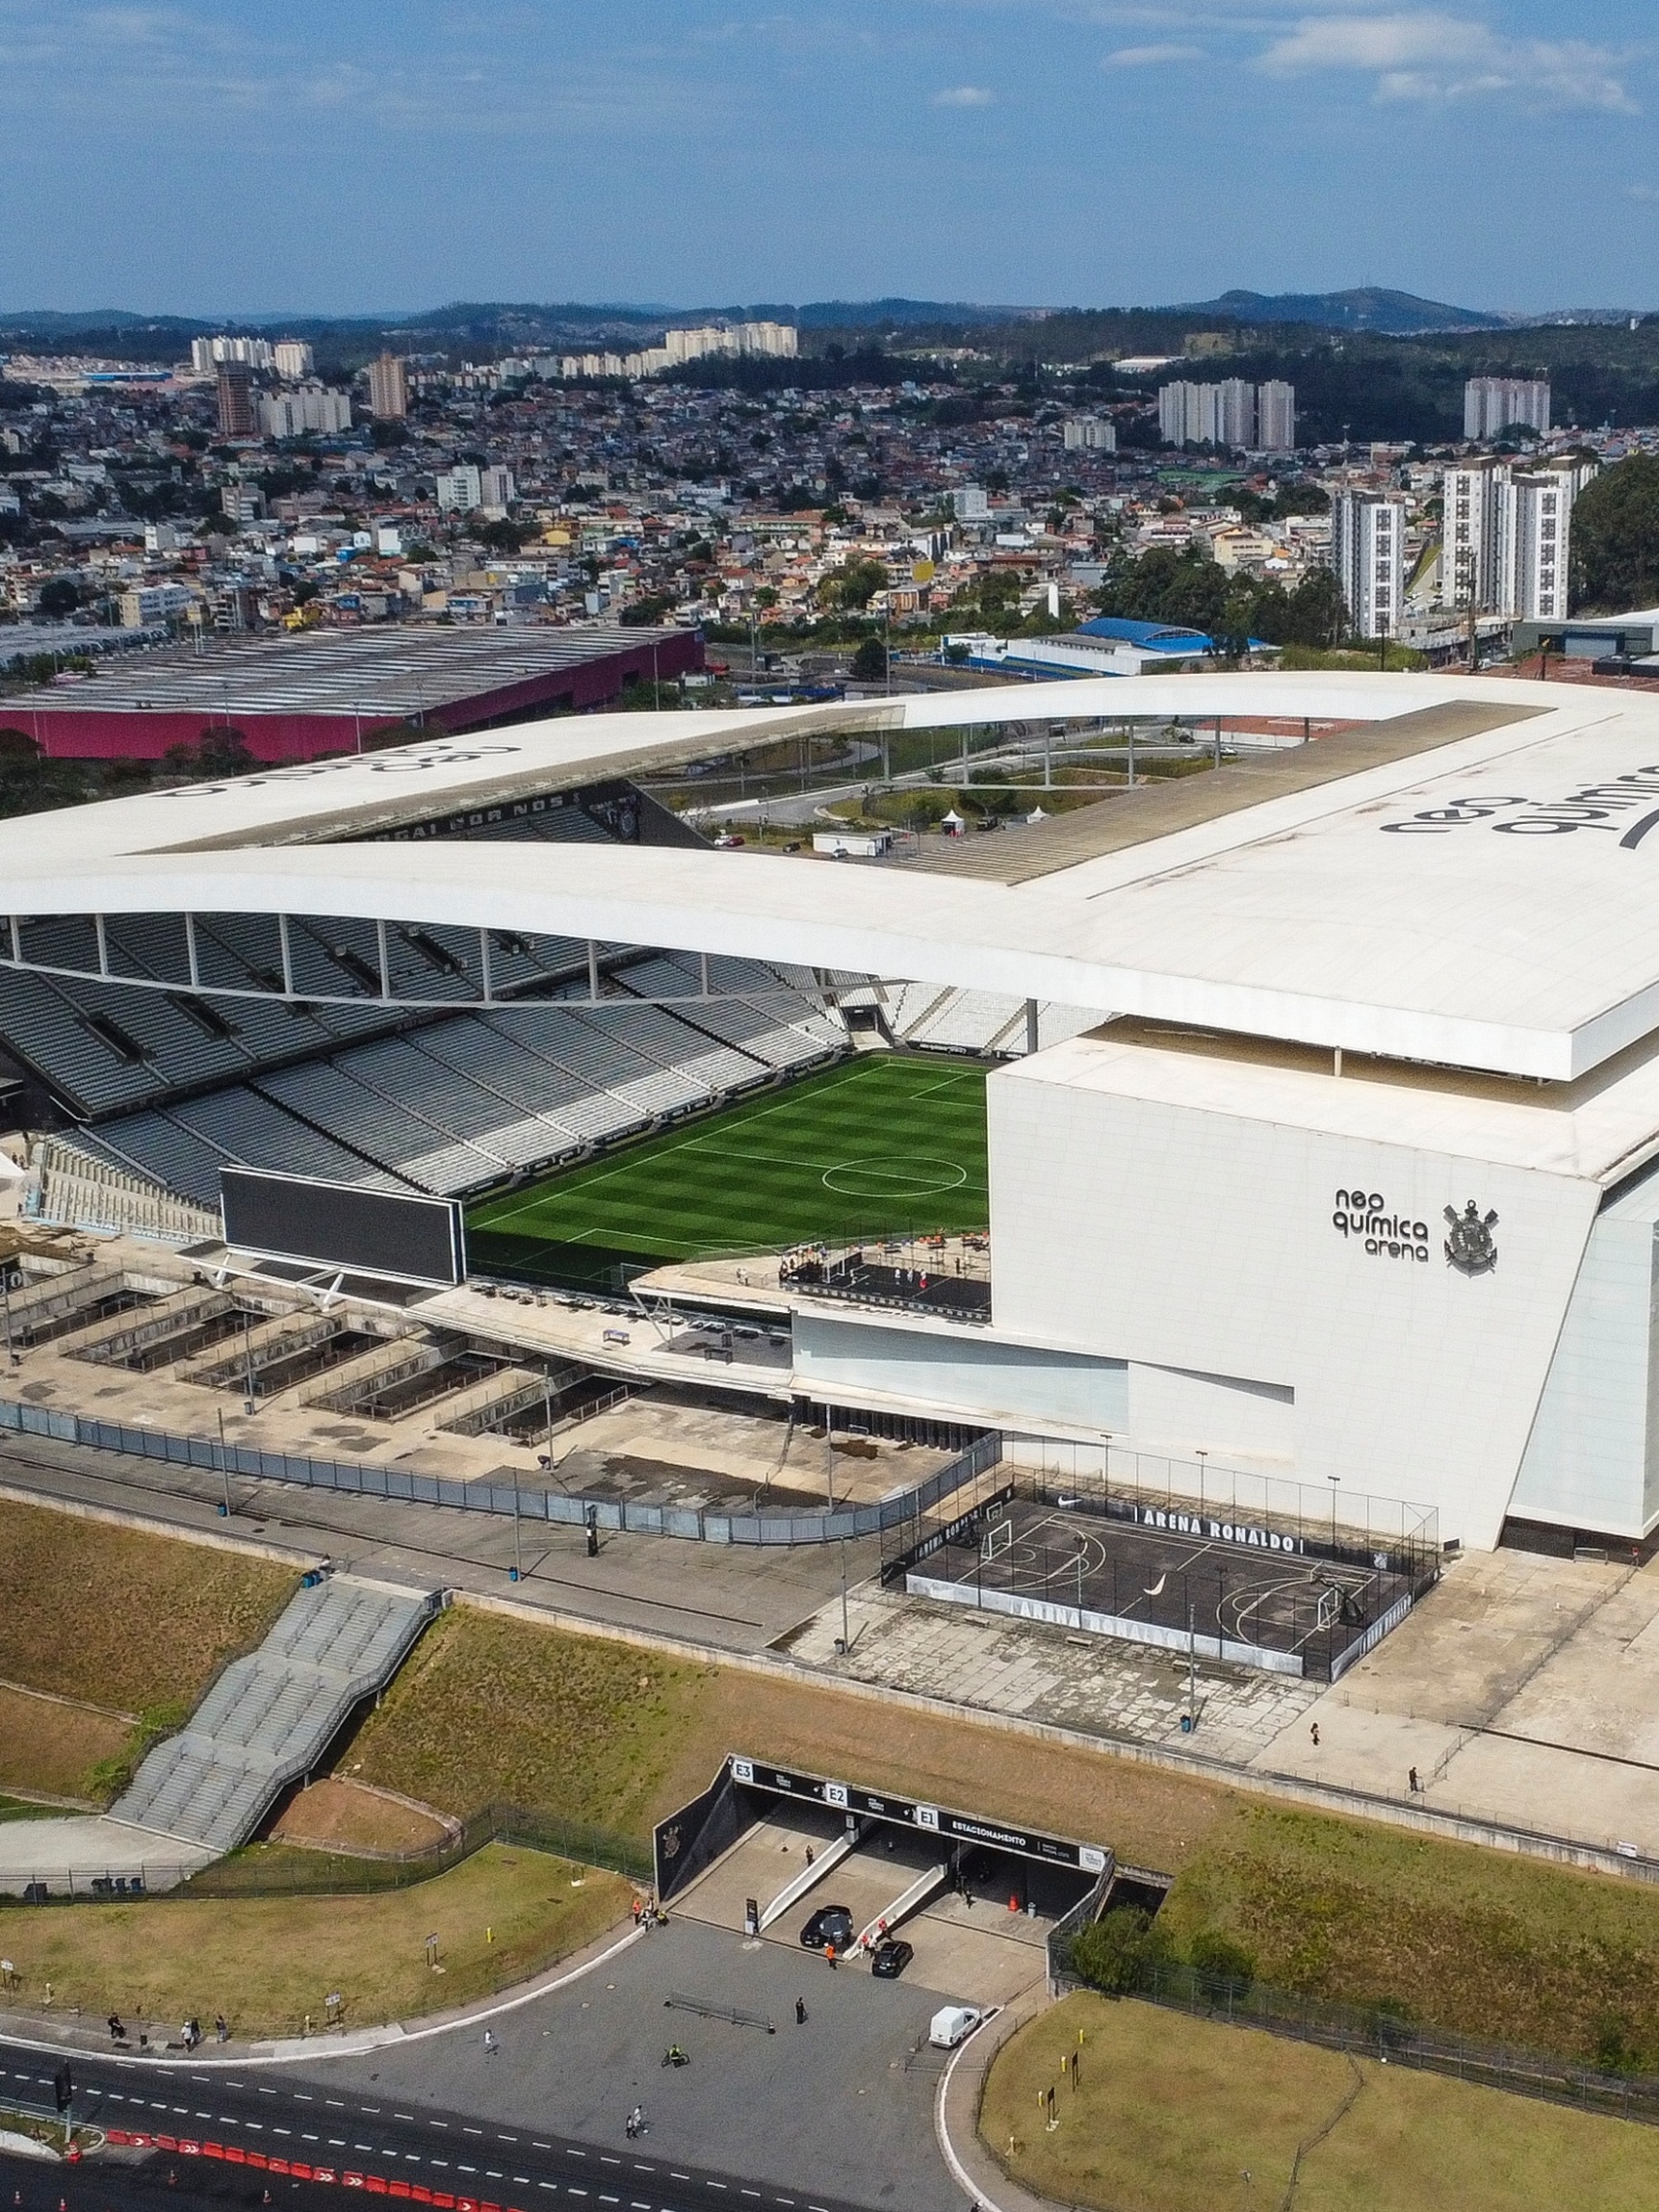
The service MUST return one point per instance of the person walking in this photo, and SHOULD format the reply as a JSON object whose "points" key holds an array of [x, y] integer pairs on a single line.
{"points": [[800, 2012], [491, 2047], [1313, 1731], [1415, 1785]]}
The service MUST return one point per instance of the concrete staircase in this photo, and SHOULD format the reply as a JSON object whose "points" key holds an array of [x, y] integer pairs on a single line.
{"points": [[270, 1716]]}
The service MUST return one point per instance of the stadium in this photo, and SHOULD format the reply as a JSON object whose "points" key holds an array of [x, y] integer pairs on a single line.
{"points": [[1283, 1139]]}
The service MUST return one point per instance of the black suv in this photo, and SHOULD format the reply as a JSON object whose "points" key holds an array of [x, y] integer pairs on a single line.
{"points": [[890, 1958], [829, 1924]]}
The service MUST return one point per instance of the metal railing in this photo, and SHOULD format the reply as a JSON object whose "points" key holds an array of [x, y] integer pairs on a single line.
{"points": [[331, 1874], [1384, 2032]]}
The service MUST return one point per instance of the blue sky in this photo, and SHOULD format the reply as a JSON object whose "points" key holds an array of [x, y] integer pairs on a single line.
{"points": [[340, 155]]}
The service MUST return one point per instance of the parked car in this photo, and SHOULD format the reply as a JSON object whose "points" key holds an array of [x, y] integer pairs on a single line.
{"points": [[952, 2024], [890, 1958], [829, 1924]]}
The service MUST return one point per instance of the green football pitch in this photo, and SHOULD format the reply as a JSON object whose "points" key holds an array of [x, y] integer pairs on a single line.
{"points": [[883, 1144]]}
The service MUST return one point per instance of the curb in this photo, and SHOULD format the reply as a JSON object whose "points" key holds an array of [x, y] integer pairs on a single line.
{"points": [[971, 2166]]}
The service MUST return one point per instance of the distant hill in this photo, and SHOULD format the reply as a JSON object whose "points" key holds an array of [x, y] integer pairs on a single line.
{"points": [[903, 314], [1367, 307]]}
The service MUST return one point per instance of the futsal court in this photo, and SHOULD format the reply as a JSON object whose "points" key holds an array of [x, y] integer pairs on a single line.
{"points": [[1291, 1599]]}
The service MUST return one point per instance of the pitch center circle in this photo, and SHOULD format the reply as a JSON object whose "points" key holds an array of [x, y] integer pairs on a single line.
{"points": [[904, 1176]]}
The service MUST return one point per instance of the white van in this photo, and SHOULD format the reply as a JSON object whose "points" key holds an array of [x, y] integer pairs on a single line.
{"points": [[951, 2025]]}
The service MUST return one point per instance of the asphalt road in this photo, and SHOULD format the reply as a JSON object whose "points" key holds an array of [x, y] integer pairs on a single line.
{"points": [[349, 2132], [730, 1597]]}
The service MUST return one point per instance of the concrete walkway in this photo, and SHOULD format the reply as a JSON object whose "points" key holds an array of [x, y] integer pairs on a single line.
{"points": [[85, 1848]]}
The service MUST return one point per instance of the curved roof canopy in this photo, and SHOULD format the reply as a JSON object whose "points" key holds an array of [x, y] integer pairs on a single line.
{"points": [[1484, 903]]}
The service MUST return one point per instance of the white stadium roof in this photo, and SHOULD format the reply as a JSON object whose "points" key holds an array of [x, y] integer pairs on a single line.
{"points": [[1482, 904]]}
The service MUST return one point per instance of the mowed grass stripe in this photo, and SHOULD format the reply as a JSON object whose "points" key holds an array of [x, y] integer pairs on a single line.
{"points": [[753, 1178]]}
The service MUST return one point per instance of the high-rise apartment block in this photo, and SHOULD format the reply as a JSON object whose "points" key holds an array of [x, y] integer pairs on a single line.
{"points": [[1248, 417], [1088, 434], [1367, 552], [1492, 404], [388, 388], [777, 341], [236, 401], [1276, 418], [1505, 535], [292, 359], [970, 504], [467, 486], [206, 355], [309, 408]]}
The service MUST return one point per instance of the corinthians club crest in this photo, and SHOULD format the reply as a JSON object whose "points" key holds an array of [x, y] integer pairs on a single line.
{"points": [[1469, 1244]]}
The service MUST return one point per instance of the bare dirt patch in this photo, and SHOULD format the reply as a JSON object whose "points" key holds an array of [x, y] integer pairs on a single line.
{"points": [[340, 1815]]}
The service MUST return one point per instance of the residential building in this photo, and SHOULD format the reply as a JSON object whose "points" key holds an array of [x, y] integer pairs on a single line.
{"points": [[309, 408], [148, 603], [1491, 404], [292, 359], [1236, 412], [241, 502], [1503, 540], [1367, 549], [1534, 519], [236, 401], [1087, 433], [467, 486], [206, 355], [388, 388], [1243, 416], [971, 504], [1276, 417]]}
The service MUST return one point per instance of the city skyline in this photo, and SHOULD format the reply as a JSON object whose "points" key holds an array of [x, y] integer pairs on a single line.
{"points": [[176, 160]]}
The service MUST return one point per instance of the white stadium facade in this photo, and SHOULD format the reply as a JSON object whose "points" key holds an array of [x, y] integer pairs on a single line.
{"points": [[1342, 1166]]}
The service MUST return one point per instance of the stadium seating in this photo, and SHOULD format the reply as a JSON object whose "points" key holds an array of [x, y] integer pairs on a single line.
{"points": [[270, 1716]]}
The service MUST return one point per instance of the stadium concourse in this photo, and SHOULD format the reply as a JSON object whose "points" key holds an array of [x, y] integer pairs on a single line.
{"points": [[1322, 1112]]}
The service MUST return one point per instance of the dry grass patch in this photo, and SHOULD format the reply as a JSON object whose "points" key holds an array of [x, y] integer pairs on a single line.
{"points": [[1495, 1947], [54, 1748], [267, 1962], [121, 1618], [495, 1710], [1172, 2113]]}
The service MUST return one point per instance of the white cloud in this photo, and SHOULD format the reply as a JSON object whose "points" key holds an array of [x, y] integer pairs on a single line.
{"points": [[1648, 195], [1428, 56], [964, 96], [1150, 57]]}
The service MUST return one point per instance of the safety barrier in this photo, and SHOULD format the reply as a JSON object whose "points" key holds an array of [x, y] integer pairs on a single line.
{"points": [[824, 1525]]}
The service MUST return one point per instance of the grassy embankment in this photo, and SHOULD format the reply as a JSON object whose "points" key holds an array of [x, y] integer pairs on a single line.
{"points": [[499, 1916], [129, 1626], [1488, 1946], [1172, 2114], [613, 1734]]}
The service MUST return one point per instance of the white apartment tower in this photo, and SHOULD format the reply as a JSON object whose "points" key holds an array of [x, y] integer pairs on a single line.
{"points": [[1236, 412], [292, 359], [1248, 417], [1535, 513], [1491, 404], [1276, 418], [1367, 552], [1088, 433], [1504, 542]]}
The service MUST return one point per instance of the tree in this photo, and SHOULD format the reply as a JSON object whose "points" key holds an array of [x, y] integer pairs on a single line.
{"points": [[1616, 536], [853, 586], [217, 753], [869, 661], [60, 596]]}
